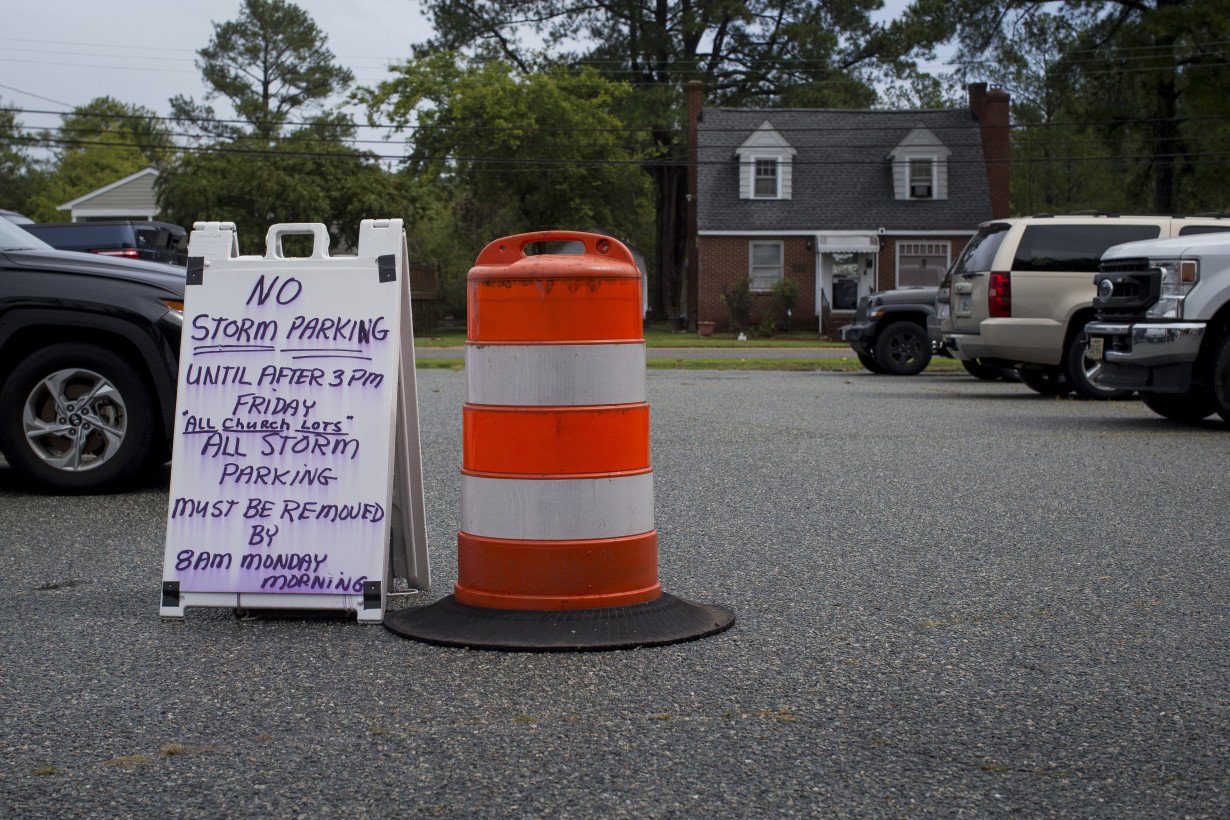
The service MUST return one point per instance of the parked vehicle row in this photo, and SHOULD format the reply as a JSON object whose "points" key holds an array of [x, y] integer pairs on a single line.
{"points": [[1017, 301], [1021, 293]]}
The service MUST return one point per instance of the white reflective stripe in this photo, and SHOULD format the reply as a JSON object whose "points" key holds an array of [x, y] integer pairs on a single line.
{"points": [[555, 375], [557, 509]]}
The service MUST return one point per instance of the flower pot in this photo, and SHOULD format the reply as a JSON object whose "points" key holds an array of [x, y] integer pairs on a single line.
{"points": [[704, 329]]}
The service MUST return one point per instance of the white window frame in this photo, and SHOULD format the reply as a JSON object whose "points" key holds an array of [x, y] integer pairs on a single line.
{"points": [[777, 177], [928, 246], [909, 177], [751, 265]]}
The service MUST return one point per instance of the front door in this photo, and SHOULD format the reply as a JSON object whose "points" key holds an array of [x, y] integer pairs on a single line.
{"points": [[844, 279]]}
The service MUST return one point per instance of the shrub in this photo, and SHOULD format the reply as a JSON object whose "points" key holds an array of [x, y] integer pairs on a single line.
{"points": [[738, 299], [782, 300]]}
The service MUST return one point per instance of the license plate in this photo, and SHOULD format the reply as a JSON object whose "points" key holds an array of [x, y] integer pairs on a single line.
{"points": [[963, 303], [1096, 345]]}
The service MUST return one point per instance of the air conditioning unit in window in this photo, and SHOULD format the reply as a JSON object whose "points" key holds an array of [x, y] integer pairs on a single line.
{"points": [[922, 191]]}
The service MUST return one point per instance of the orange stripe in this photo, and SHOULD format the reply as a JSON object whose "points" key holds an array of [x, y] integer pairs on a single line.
{"points": [[554, 575], [573, 440], [560, 310]]}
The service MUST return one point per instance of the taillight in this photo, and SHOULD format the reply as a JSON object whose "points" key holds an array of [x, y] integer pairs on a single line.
{"points": [[999, 295], [127, 253]]}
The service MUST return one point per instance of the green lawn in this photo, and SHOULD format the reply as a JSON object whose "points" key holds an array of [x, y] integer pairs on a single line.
{"points": [[850, 365], [666, 338]]}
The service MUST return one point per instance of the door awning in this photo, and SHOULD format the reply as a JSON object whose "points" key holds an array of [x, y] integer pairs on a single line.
{"points": [[847, 243]]}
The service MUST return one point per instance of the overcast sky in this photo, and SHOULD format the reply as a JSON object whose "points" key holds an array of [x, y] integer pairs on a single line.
{"points": [[142, 51]]}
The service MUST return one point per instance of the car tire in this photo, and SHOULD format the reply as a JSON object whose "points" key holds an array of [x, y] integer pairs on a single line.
{"points": [[1048, 381], [77, 418], [903, 349], [1081, 371], [1186, 408], [869, 362], [986, 372], [1219, 380]]}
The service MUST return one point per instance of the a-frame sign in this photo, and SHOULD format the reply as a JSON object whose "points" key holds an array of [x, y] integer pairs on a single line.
{"points": [[296, 481]]}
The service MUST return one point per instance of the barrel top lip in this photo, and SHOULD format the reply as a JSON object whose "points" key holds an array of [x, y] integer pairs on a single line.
{"points": [[602, 257]]}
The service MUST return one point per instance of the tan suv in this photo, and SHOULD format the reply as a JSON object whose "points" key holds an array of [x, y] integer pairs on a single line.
{"points": [[1022, 291]]}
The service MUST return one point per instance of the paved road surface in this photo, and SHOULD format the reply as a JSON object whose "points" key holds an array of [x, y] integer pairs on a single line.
{"points": [[953, 597]]}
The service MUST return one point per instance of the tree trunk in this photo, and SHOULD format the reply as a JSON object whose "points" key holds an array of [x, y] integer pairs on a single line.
{"points": [[668, 189], [1165, 145]]}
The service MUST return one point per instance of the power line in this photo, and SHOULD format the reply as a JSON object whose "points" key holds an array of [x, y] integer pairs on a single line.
{"points": [[556, 161], [767, 113]]}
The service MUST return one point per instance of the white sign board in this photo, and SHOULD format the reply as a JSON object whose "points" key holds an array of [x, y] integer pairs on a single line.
{"points": [[290, 383]]}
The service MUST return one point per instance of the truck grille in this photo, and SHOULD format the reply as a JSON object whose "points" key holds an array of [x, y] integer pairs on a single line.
{"points": [[1135, 287]]}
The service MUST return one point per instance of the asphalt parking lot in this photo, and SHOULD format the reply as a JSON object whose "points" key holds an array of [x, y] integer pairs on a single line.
{"points": [[952, 597]]}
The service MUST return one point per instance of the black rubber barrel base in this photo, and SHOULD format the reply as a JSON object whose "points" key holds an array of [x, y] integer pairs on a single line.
{"points": [[665, 620]]}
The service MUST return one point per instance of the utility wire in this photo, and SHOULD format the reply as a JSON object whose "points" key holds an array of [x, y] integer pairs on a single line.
{"points": [[757, 113], [548, 161]]}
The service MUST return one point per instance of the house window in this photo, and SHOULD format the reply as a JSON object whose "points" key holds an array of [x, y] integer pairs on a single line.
{"points": [[922, 182], [764, 180], [766, 264], [921, 263]]}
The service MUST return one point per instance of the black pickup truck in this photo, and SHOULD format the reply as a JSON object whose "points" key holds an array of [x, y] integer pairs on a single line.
{"points": [[89, 349], [890, 330]]}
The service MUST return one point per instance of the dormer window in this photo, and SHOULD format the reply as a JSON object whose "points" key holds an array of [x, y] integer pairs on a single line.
{"points": [[765, 165], [922, 179], [764, 185], [920, 166]]}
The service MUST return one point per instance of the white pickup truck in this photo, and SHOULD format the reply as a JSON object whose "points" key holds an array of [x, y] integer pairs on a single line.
{"points": [[1163, 324]]}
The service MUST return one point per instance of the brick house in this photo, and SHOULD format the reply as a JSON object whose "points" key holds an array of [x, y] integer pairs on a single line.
{"points": [[843, 202]]}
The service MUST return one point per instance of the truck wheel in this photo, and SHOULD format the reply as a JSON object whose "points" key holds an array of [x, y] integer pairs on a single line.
{"points": [[903, 349], [76, 418], [1082, 371], [1187, 408], [869, 362], [1219, 380], [1048, 381]]}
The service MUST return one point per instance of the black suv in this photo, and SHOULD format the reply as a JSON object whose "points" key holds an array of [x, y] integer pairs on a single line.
{"points": [[890, 332], [151, 241], [89, 351]]}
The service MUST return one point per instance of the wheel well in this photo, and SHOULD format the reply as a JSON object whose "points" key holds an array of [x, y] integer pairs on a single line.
{"points": [[28, 339], [919, 319], [1218, 329], [1076, 324]]}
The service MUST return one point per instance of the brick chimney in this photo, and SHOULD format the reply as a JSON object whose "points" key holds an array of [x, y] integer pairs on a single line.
{"points": [[695, 100], [991, 110]]}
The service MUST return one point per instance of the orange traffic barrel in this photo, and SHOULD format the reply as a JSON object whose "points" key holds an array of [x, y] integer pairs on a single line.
{"points": [[557, 548]]}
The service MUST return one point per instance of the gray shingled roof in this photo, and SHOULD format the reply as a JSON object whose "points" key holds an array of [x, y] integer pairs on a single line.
{"points": [[842, 174]]}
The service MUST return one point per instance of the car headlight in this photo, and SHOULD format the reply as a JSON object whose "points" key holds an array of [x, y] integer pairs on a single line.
{"points": [[1179, 276], [875, 313]]}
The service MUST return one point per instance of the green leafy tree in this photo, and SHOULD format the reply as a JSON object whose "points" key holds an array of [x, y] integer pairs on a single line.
{"points": [[1110, 91], [287, 161], [270, 63], [17, 168], [305, 177], [96, 144], [496, 150], [756, 52]]}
